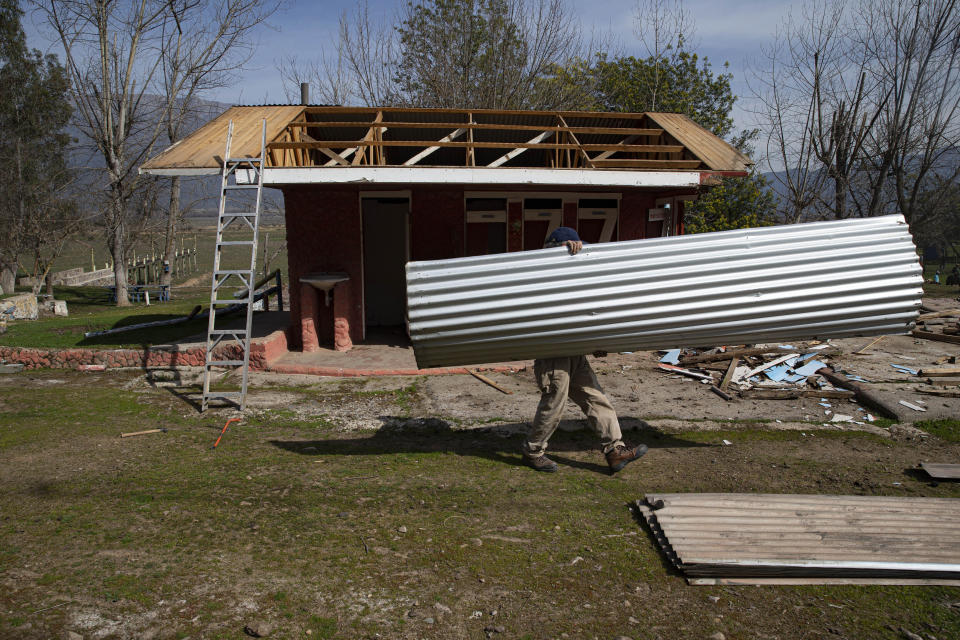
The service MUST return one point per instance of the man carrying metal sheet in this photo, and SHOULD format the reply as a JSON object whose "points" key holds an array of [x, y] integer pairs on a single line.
{"points": [[572, 376]]}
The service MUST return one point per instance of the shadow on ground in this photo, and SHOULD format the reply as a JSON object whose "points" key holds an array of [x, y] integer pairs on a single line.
{"points": [[500, 443]]}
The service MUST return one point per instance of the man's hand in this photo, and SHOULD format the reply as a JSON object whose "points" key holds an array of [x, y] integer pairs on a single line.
{"points": [[574, 246]]}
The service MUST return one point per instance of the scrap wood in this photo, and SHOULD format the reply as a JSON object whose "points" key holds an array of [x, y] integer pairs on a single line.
{"points": [[728, 376], [940, 337], [142, 433], [940, 372], [946, 313], [862, 392], [722, 394], [767, 365], [483, 378], [937, 392], [732, 353], [684, 372], [790, 394], [941, 471], [860, 351]]}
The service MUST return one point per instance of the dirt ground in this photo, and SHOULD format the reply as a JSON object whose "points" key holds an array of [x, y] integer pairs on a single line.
{"points": [[400, 507]]}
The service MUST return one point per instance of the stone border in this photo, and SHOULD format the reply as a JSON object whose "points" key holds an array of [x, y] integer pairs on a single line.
{"points": [[262, 352]]}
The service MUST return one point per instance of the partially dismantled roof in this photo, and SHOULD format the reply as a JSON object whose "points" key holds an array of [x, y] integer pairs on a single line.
{"points": [[313, 136]]}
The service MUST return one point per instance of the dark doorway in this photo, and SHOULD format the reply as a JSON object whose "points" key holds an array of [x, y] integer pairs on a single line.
{"points": [[385, 239]]}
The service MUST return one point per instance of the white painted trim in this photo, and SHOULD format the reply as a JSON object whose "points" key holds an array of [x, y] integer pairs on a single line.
{"points": [[609, 215], [480, 217], [274, 176], [566, 196]]}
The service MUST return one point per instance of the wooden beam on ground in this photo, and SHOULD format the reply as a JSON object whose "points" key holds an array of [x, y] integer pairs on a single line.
{"points": [[940, 372], [791, 394], [483, 378], [862, 392], [453, 135], [946, 313], [535, 141], [751, 351], [728, 376], [939, 337], [870, 344]]}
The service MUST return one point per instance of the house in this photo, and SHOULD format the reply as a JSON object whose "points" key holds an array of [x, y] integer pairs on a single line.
{"points": [[368, 189]]}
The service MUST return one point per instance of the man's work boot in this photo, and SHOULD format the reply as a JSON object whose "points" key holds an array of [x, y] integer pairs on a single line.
{"points": [[622, 455], [541, 463]]}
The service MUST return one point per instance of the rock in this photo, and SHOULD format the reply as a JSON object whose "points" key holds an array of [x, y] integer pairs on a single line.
{"points": [[718, 636], [258, 629], [402, 529], [633, 620], [714, 599], [623, 638], [494, 629], [73, 635], [909, 634], [428, 620], [11, 368], [442, 608], [21, 307], [56, 307]]}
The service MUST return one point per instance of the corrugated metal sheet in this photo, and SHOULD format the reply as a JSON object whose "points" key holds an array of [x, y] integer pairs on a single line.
{"points": [[728, 535], [818, 280]]}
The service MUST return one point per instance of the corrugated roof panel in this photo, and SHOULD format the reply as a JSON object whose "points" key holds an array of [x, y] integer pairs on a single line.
{"points": [[791, 282], [743, 535]]}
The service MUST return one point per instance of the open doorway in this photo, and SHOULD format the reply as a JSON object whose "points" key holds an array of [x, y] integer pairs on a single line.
{"points": [[385, 254]]}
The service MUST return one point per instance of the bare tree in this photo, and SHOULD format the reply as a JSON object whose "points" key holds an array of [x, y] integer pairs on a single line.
{"points": [[860, 102], [663, 28], [112, 54], [204, 44], [448, 53]]}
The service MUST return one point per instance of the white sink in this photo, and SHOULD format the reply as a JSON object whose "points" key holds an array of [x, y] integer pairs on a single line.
{"points": [[324, 282]]}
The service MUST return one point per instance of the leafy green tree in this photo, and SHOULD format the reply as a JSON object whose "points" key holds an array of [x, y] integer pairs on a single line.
{"points": [[35, 214], [681, 82], [734, 203], [490, 54]]}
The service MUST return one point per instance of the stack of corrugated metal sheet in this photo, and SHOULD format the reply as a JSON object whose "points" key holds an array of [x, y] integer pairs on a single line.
{"points": [[792, 282], [757, 538]]}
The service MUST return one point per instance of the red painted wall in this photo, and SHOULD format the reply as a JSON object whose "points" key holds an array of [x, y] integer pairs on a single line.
{"points": [[436, 223], [324, 234]]}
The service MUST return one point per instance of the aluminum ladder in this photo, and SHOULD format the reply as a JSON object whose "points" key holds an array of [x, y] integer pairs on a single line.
{"points": [[249, 223]]}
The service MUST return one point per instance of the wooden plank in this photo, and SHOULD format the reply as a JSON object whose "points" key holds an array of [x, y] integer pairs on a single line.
{"points": [[647, 164], [825, 580], [937, 392], [599, 115], [753, 351], [456, 133], [395, 124], [863, 393], [944, 471], [946, 313], [940, 372], [792, 394], [929, 335], [339, 144], [483, 378], [868, 345], [520, 148], [728, 376]]}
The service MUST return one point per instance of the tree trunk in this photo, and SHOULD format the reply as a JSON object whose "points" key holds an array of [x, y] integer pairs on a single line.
{"points": [[48, 279], [118, 251], [170, 247], [8, 277]]}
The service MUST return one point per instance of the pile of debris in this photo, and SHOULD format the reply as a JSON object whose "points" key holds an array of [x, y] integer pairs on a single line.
{"points": [[778, 372], [943, 326]]}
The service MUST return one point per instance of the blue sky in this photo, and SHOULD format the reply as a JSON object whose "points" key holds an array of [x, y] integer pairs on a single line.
{"points": [[726, 31]]}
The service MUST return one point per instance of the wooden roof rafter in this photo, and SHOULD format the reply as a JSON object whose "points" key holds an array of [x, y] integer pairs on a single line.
{"points": [[308, 137]]}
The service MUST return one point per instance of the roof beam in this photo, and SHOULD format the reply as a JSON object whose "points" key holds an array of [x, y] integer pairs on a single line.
{"points": [[456, 133], [607, 154], [513, 154]]}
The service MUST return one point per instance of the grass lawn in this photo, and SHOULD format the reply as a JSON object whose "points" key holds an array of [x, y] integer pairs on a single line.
{"points": [[91, 310], [406, 532]]}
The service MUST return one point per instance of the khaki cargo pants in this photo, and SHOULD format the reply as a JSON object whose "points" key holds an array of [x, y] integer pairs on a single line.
{"points": [[558, 379]]}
